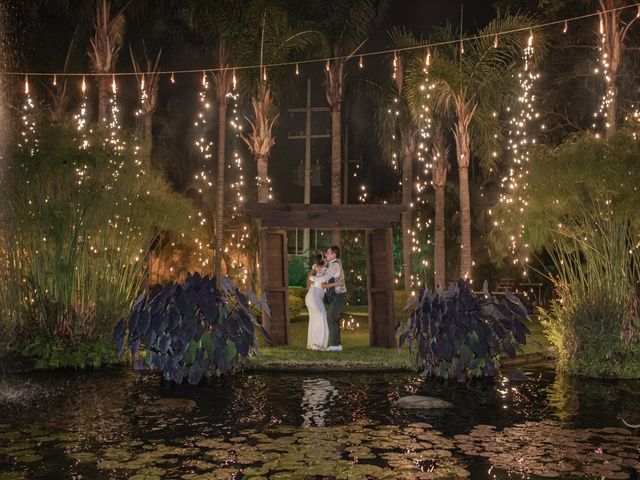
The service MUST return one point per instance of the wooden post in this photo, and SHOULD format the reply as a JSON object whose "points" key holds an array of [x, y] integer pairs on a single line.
{"points": [[380, 288], [275, 282]]}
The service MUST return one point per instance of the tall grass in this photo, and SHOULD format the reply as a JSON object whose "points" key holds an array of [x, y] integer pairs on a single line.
{"points": [[594, 322], [76, 226]]}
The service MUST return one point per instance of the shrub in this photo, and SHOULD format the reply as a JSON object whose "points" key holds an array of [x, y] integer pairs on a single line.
{"points": [[298, 271], [75, 232], [403, 300], [454, 334], [190, 330], [296, 306], [594, 322]]}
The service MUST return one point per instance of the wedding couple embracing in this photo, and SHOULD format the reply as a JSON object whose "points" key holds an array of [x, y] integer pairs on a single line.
{"points": [[326, 281]]}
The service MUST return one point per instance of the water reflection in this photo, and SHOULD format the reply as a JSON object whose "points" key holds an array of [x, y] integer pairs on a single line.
{"points": [[318, 397]]}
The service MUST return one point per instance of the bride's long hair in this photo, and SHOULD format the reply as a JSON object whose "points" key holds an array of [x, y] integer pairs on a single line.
{"points": [[320, 260]]}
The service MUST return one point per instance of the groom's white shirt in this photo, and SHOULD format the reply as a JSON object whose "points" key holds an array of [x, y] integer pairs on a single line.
{"points": [[335, 271]]}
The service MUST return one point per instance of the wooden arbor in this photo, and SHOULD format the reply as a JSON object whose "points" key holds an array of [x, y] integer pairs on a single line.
{"points": [[375, 220]]}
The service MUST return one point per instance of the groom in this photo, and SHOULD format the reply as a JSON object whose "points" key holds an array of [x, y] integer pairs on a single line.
{"points": [[336, 273]]}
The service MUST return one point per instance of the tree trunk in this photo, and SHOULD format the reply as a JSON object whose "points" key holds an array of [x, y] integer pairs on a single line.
{"points": [[464, 154], [439, 248], [103, 99], [263, 185], [440, 169], [219, 224], [407, 217], [336, 164], [612, 40]]}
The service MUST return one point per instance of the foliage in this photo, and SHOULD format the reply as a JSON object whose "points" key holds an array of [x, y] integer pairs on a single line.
{"points": [[194, 329], [583, 170], [354, 262], [75, 229], [454, 334], [298, 271], [296, 306], [594, 323]]}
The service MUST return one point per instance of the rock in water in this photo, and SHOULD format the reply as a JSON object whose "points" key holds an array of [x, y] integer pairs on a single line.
{"points": [[420, 402]]}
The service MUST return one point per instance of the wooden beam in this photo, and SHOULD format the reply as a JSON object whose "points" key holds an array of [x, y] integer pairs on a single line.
{"points": [[324, 216]]}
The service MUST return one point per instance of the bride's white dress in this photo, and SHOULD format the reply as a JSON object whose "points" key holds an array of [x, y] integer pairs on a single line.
{"points": [[318, 333]]}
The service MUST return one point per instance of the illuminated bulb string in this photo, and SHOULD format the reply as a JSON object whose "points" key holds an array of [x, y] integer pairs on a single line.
{"points": [[28, 137], [604, 68], [515, 185]]}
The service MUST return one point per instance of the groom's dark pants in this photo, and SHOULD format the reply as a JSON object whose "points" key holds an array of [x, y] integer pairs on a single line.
{"points": [[333, 318]]}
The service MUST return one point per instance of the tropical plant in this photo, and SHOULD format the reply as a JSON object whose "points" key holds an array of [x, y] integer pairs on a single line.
{"points": [[595, 320], [399, 128], [72, 249], [454, 334], [202, 327], [107, 40], [470, 82], [344, 26]]}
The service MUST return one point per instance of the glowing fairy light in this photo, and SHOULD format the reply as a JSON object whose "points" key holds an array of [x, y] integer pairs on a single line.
{"points": [[514, 186], [565, 29], [327, 66], [427, 60], [461, 47], [114, 87], [264, 74], [81, 126], [28, 137], [234, 80], [297, 69], [204, 79], [361, 62], [55, 80], [172, 79], [495, 42], [395, 65], [142, 84]]}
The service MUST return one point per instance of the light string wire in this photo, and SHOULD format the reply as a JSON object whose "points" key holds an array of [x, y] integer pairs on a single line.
{"points": [[423, 46]]}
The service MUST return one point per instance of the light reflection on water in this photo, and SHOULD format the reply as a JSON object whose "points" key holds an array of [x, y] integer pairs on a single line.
{"points": [[92, 413]]}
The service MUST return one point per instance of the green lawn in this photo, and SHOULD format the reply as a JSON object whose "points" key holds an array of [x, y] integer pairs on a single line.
{"points": [[357, 354]]}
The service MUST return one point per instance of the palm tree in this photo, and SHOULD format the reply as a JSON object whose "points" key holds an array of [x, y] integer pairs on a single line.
{"points": [[105, 45], [219, 24], [471, 83], [148, 98], [399, 126], [267, 36], [440, 156], [344, 26], [613, 31]]}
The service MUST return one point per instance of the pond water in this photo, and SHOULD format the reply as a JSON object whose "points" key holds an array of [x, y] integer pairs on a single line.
{"points": [[119, 424]]}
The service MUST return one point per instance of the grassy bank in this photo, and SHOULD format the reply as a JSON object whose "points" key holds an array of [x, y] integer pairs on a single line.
{"points": [[357, 354]]}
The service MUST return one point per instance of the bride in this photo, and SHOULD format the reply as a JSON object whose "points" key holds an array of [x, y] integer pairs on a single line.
{"points": [[318, 334]]}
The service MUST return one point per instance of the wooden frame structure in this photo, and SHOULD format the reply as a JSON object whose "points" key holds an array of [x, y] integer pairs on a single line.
{"points": [[375, 220]]}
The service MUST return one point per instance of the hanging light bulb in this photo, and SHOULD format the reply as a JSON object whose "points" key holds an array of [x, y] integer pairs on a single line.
{"points": [[55, 80], [601, 26], [360, 62], [530, 41], [461, 47], [395, 64], [495, 42], [26, 85], [638, 13], [428, 59], [565, 29], [233, 79], [173, 78], [204, 78], [84, 85], [297, 70], [142, 83], [113, 83], [327, 66], [264, 75]]}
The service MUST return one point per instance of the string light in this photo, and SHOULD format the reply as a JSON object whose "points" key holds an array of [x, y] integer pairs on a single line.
{"points": [[233, 78], [55, 80], [495, 42], [327, 66], [81, 126], [297, 70], [113, 84], [172, 79], [609, 94], [360, 62], [28, 137], [565, 29], [395, 65], [514, 186], [428, 59]]}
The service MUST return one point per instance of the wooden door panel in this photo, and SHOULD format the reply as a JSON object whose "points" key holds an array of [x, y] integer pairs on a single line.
{"points": [[275, 282], [382, 322]]}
